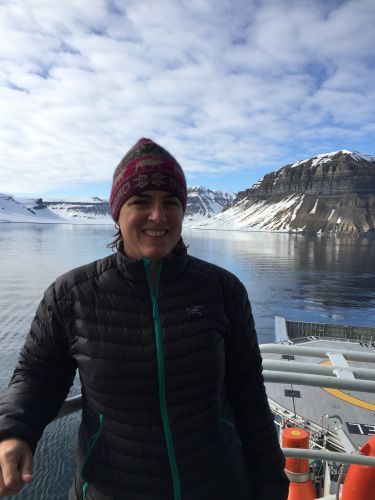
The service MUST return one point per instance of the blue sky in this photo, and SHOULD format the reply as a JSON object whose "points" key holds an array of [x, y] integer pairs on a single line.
{"points": [[234, 89]]}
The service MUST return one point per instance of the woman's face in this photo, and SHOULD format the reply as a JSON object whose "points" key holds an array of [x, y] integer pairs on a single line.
{"points": [[150, 224]]}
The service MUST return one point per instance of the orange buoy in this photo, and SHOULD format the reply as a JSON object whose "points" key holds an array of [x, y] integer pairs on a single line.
{"points": [[359, 483], [298, 469], [293, 437]]}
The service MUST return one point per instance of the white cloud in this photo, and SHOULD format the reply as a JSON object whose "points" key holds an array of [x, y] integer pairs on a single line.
{"points": [[231, 88]]}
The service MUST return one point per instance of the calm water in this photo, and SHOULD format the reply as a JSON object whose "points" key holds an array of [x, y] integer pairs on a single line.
{"points": [[298, 277]]}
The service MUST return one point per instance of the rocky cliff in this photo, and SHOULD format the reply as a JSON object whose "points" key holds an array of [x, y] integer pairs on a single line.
{"points": [[330, 193]]}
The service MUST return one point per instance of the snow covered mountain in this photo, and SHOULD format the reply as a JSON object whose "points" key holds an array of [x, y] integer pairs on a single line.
{"points": [[92, 210], [25, 210], [202, 203], [329, 193]]}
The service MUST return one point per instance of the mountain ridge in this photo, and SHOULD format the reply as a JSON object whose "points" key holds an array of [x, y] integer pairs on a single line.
{"points": [[329, 193], [202, 203]]}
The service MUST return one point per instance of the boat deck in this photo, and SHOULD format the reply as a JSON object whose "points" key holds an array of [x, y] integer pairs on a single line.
{"points": [[324, 406]]}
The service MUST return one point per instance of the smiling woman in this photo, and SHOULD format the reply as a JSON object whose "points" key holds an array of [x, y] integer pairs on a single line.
{"points": [[151, 225], [173, 399], [148, 201]]}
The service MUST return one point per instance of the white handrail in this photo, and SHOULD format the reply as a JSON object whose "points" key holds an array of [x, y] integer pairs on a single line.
{"points": [[302, 374], [334, 456], [70, 405], [319, 381], [298, 367], [302, 350], [74, 404]]}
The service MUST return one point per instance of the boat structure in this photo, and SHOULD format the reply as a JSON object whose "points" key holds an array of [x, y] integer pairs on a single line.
{"points": [[320, 381]]}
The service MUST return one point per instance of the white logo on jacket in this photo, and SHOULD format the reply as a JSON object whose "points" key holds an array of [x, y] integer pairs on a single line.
{"points": [[194, 310]]}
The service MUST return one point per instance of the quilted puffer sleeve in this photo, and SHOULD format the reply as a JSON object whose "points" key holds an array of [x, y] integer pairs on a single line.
{"points": [[246, 392], [42, 378]]}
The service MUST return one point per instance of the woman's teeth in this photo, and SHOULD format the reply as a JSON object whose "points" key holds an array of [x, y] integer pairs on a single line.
{"points": [[150, 232]]}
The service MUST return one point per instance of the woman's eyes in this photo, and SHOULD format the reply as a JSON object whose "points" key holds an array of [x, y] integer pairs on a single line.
{"points": [[171, 202], [144, 202], [140, 202]]}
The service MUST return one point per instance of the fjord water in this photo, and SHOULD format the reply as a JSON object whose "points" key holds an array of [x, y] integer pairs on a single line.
{"points": [[295, 276]]}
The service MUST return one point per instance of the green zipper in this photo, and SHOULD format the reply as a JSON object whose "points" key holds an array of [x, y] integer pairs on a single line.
{"points": [[161, 378], [91, 445]]}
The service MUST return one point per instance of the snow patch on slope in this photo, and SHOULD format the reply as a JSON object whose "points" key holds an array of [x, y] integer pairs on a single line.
{"points": [[25, 210], [260, 216], [313, 210]]}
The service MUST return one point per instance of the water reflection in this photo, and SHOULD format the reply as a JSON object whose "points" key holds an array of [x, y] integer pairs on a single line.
{"points": [[303, 278]]}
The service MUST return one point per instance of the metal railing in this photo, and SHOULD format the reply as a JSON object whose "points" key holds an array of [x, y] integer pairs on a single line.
{"points": [[316, 375], [340, 376], [69, 406], [297, 329]]}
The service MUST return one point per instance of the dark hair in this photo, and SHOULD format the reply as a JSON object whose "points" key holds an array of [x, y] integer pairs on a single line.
{"points": [[117, 242], [114, 244]]}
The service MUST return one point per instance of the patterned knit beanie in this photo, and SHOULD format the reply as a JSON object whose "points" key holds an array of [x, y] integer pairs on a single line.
{"points": [[146, 167]]}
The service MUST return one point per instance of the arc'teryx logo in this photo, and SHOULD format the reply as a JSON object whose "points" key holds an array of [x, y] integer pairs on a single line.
{"points": [[194, 310]]}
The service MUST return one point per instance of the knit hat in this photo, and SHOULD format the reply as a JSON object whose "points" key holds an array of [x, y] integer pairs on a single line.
{"points": [[146, 167]]}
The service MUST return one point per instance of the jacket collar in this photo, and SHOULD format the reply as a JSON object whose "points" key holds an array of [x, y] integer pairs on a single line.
{"points": [[134, 270]]}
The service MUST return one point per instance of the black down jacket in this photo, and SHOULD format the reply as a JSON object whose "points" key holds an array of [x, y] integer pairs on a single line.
{"points": [[174, 406]]}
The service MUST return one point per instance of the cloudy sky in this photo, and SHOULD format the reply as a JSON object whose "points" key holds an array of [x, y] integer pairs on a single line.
{"points": [[233, 88]]}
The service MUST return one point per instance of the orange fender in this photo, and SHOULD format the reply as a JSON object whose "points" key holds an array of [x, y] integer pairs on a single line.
{"points": [[359, 483], [298, 469], [302, 491]]}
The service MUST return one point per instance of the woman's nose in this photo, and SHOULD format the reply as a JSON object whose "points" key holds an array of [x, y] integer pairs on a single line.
{"points": [[157, 213]]}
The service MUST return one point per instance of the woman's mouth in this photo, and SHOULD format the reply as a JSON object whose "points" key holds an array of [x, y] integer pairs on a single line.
{"points": [[153, 233]]}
